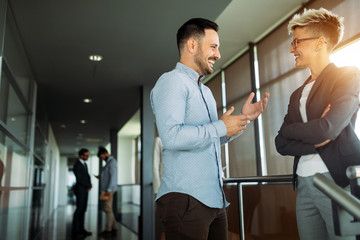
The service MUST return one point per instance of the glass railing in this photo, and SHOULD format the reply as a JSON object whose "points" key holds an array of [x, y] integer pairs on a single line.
{"points": [[128, 206], [261, 207]]}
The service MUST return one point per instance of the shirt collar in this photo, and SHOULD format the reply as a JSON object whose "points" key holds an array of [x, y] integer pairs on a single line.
{"points": [[190, 72], [82, 161], [109, 158]]}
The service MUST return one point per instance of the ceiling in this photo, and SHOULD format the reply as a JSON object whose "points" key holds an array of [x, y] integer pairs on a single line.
{"points": [[137, 40]]}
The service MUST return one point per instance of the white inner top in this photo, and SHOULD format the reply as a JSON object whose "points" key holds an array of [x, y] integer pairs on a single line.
{"points": [[312, 163]]}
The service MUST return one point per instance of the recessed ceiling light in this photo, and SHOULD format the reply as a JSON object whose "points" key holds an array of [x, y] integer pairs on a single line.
{"points": [[93, 139], [83, 121], [63, 126], [95, 58], [87, 100]]}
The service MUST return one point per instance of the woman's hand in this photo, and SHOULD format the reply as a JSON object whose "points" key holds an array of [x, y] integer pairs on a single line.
{"points": [[327, 109]]}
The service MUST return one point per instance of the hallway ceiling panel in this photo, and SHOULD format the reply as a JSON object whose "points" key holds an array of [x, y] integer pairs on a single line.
{"points": [[137, 40]]}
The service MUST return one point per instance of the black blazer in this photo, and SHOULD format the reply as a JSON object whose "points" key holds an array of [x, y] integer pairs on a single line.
{"points": [[82, 177], [339, 87]]}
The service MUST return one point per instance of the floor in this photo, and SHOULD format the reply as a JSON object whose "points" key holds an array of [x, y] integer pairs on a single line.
{"points": [[59, 226]]}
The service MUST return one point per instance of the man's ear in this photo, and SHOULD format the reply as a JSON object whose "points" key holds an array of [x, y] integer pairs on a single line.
{"points": [[192, 45]]}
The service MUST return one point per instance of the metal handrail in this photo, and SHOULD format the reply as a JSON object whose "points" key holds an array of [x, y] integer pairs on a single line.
{"points": [[353, 172], [272, 178], [255, 179], [343, 199]]}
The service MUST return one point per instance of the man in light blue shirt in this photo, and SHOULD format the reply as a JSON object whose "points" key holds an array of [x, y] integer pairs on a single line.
{"points": [[190, 199]]}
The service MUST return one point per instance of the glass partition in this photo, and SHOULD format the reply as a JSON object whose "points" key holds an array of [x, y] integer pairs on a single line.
{"points": [[261, 210], [16, 58], [14, 179], [268, 211]]}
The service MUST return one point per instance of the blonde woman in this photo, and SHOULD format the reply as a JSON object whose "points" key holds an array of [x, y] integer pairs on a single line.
{"points": [[318, 129]]}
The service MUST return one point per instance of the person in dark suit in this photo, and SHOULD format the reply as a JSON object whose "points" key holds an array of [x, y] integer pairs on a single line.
{"points": [[81, 189], [318, 129]]}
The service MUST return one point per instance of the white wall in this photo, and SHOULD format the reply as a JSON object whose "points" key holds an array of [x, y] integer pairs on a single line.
{"points": [[126, 160], [131, 194], [63, 174], [93, 166], [52, 165], [54, 157]]}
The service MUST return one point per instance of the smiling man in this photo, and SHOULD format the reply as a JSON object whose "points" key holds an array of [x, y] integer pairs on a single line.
{"points": [[191, 202]]}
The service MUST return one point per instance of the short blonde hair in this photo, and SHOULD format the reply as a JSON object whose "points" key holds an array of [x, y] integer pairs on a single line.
{"points": [[321, 22]]}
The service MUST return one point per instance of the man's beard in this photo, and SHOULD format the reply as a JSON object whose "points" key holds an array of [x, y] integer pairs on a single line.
{"points": [[203, 67]]}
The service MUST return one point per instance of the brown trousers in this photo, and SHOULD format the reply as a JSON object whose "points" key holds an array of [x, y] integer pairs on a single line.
{"points": [[111, 223], [184, 217]]}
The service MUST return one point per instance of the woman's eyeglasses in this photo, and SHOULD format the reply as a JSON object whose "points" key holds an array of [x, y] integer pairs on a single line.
{"points": [[295, 42]]}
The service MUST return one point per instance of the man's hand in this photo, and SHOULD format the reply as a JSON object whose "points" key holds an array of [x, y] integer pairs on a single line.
{"points": [[327, 109], [253, 110], [234, 123]]}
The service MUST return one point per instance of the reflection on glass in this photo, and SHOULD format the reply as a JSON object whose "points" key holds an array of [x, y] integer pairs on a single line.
{"points": [[16, 164], [268, 211], [13, 201], [2, 168], [12, 111], [13, 214], [40, 143], [2, 162], [17, 117], [4, 92], [232, 210], [16, 58]]}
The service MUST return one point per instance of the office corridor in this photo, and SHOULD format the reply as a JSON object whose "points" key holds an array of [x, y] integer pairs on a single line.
{"points": [[59, 226], [80, 74]]}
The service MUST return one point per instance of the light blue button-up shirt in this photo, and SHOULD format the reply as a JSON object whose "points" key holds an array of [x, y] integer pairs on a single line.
{"points": [[188, 125]]}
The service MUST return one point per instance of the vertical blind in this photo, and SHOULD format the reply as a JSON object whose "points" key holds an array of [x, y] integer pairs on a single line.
{"points": [[215, 85], [242, 154]]}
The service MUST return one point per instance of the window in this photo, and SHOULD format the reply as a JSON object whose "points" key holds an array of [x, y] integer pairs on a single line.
{"points": [[349, 55]]}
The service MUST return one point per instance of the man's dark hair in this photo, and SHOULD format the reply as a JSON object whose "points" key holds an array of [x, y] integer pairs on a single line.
{"points": [[82, 151], [102, 150], [195, 28]]}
